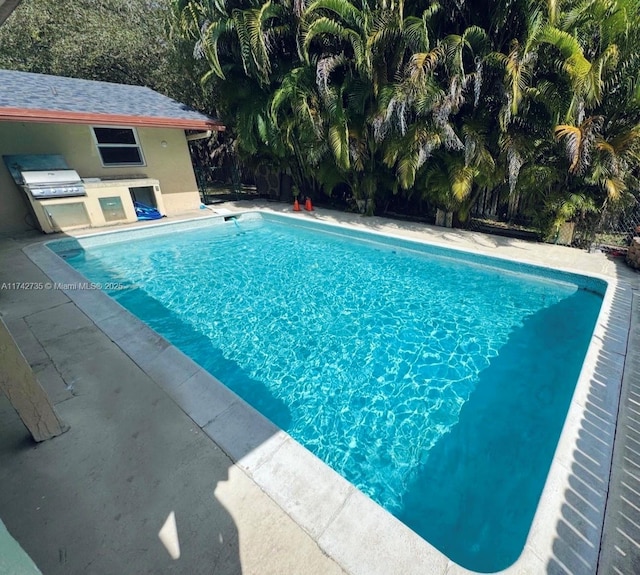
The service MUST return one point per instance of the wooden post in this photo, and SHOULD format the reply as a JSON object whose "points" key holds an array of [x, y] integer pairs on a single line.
{"points": [[6, 8], [24, 391]]}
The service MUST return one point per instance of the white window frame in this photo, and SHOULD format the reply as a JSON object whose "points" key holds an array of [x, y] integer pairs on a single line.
{"points": [[136, 145]]}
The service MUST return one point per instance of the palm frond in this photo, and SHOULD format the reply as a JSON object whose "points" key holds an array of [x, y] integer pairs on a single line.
{"points": [[574, 62], [423, 63], [461, 179], [210, 37], [573, 137], [614, 188], [579, 141], [327, 26], [417, 34], [344, 9]]}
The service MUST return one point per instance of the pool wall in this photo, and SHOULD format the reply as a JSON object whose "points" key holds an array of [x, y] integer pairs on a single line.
{"points": [[352, 529], [590, 283]]}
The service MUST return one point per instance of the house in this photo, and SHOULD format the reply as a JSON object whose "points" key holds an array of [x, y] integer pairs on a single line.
{"points": [[124, 142]]}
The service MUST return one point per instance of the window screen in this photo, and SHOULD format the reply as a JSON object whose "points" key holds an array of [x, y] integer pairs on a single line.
{"points": [[118, 146]]}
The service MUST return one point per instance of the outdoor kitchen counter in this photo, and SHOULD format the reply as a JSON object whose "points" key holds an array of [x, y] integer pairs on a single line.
{"points": [[106, 202]]}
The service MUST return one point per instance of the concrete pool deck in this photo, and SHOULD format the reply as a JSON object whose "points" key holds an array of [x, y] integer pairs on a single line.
{"points": [[93, 499]]}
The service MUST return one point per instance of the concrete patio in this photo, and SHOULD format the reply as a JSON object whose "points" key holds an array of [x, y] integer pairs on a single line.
{"points": [[93, 499]]}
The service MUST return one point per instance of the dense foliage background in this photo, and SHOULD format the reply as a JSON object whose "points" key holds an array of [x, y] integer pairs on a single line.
{"points": [[438, 103], [521, 106], [113, 40]]}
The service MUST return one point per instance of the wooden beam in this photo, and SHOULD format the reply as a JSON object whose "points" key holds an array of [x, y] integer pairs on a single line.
{"points": [[6, 7], [24, 391]]}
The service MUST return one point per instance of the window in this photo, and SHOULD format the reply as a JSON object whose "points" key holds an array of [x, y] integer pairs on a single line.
{"points": [[118, 146]]}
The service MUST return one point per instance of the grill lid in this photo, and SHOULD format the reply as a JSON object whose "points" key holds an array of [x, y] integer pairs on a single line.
{"points": [[44, 184], [50, 178]]}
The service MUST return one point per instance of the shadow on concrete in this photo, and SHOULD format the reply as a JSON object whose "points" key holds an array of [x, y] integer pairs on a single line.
{"points": [[576, 545], [595, 483], [620, 550], [430, 232], [199, 348], [85, 503], [620, 545], [94, 499], [476, 495]]}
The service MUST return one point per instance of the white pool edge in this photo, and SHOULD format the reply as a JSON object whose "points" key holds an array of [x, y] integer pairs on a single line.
{"points": [[356, 532]]}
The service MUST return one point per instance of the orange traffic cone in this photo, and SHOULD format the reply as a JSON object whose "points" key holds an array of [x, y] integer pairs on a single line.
{"points": [[307, 205], [296, 205]]}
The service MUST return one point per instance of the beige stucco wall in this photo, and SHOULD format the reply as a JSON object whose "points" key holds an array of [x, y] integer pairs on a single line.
{"points": [[171, 165]]}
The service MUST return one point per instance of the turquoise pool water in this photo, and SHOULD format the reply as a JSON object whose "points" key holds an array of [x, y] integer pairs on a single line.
{"points": [[436, 382]]}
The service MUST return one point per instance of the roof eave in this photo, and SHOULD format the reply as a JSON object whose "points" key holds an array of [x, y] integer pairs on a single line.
{"points": [[63, 117]]}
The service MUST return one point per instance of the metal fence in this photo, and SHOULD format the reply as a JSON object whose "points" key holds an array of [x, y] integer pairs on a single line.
{"points": [[612, 227], [617, 227], [507, 216], [493, 211]]}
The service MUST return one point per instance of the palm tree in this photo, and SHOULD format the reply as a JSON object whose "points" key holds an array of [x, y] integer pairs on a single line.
{"points": [[535, 100], [444, 148], [296, 112], [247, 45], [352, 50], [601, 144]]}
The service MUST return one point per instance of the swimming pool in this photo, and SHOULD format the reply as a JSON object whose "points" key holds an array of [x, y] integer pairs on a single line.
{"points": [[470, 370]]}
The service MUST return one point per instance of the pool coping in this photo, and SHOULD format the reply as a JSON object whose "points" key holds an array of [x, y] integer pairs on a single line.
{"points": [[348, 526]]}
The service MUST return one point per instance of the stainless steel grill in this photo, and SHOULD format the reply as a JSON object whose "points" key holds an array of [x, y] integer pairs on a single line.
{"points": [[45, 184]]}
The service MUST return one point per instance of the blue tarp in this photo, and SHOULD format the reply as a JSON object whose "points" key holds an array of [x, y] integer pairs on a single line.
{"points": [[146, 212]]}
